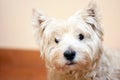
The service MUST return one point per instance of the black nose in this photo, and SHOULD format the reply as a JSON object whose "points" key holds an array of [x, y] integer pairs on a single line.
{"points": [[69, 55]]}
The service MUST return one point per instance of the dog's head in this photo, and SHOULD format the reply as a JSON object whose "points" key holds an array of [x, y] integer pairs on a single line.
{"points": [[75, 43]]}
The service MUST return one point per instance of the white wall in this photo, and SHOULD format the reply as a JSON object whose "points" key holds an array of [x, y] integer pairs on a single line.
{"points": [[15, 19]]}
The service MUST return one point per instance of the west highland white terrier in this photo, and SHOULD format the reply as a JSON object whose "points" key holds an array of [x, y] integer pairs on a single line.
{"points": [[73, 49]]}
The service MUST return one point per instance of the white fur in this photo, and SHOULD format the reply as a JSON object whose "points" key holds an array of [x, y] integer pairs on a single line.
{"points": [[92, 61]]}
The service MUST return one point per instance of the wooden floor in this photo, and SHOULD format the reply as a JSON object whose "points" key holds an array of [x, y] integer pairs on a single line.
{"points": [[21, 65]]}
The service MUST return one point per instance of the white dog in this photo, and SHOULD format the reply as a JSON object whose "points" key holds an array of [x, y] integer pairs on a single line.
{"points": [[73, 48]]}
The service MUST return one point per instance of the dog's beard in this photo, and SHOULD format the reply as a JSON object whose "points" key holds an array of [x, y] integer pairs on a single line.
{"points": [[82, 61]]}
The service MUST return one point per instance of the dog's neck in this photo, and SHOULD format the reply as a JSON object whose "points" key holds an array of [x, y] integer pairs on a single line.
{"points": [[54, 74], [70, 75]]}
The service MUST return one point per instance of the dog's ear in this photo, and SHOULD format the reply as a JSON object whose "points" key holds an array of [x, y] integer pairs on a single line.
{"points": [[38, 17], [92, 16], [93, 11], [40, 23]]}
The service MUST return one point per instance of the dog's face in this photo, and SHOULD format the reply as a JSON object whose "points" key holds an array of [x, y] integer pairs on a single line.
{"points": [[72, 44]]}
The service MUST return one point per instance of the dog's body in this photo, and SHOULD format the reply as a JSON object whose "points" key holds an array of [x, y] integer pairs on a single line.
{"points": [[73, 48], [107, 69]]}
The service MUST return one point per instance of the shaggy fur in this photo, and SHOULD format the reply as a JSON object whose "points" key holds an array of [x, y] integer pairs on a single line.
{"points": [[82, 33]]}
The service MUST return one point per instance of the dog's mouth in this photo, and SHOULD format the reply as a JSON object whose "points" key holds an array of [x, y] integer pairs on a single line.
{"points": [[70, 63]]}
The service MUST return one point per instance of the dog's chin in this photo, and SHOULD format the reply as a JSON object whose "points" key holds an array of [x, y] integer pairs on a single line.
{"points": [[71, 66], [70, 63]]}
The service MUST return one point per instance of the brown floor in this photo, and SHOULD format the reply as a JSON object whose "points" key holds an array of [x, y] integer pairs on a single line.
{"points": [[21, 65]]}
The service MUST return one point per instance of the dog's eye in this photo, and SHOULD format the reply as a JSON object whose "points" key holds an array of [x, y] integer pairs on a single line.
{"points": [[81, 36], [56, 40]]}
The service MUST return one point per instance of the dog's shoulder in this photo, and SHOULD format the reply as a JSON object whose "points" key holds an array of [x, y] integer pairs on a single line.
{"points": [[112, 56], [110, 63]]}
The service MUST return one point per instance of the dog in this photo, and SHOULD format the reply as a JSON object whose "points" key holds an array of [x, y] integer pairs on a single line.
{"points": [[73, 49]]}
